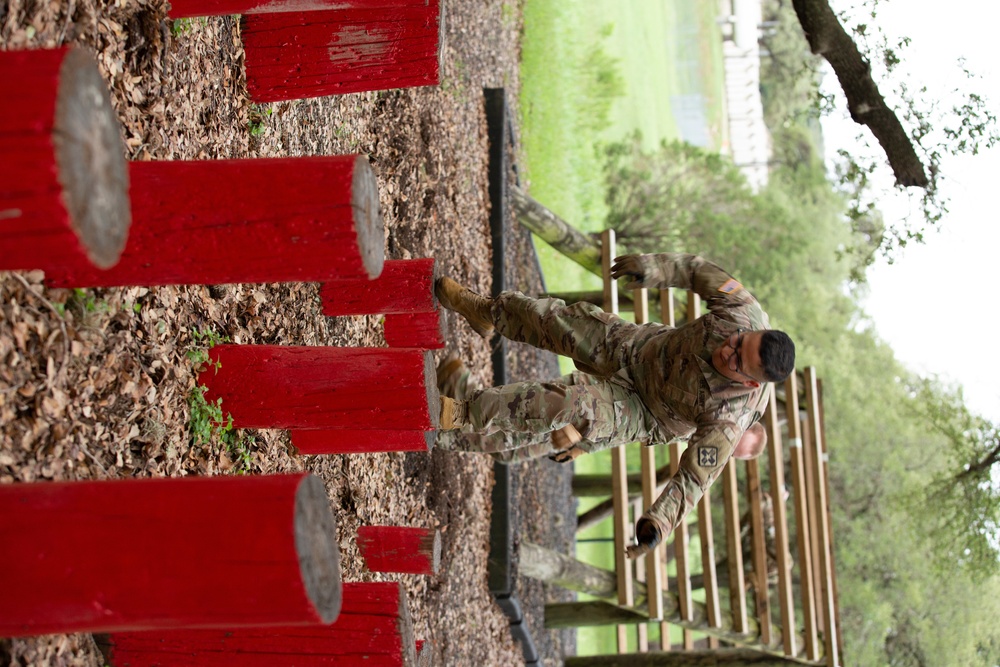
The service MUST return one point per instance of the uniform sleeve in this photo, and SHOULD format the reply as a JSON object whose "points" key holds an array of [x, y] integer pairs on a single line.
{"points": [[708, 280], [709, 449]]}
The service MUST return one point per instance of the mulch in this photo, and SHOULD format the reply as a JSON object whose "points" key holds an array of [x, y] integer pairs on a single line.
{"points": [[95, 384]]}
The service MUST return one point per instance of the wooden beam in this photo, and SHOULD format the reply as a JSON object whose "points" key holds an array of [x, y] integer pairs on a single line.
{"points": [[822, 515], [758, 551], [801, 516], [730, 657], [776, 459], [619, 472], [734, 550]]}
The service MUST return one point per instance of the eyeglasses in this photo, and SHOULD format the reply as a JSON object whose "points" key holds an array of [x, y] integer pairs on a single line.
{"points": [[735, 361]]}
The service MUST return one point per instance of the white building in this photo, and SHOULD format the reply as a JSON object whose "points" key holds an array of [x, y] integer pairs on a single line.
{"points": [[749, 141]]}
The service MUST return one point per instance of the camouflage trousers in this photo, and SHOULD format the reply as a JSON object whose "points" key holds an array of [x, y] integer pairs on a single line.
{"points": [[514, 422]]}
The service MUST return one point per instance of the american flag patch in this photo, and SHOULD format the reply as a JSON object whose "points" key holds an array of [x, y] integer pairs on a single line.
{"points": [[730, 286]]}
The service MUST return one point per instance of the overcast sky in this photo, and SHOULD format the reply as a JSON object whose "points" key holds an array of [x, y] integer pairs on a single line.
{"points": [[938, 305]]}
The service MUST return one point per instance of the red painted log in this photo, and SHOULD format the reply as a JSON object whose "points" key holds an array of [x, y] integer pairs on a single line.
{"points": [[364, 441], [274, 386], [189, 8], [400, 549], [405, 286], [167, 553], [374, 630], [424, 331], [297, 55], [248, 221], [63, 177]]}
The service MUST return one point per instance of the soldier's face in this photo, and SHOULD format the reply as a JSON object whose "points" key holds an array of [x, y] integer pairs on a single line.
{"points": [[739, 358]]}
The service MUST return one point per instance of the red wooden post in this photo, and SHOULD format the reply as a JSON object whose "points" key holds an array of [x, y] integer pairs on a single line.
{"points": [[405, 286], [363, 441], [373, 630], [188, 8], [167, 553], [63, 179], [292, 56], [249, 221], [425, 331], [275, 386], [400, 549]]}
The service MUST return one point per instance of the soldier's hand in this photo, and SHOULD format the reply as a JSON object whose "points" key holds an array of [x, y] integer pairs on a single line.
{"points": [[630, 267], [565, 439], [567, 456], [647, 536]]}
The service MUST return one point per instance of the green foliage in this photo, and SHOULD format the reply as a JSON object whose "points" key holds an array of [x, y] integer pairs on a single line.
{"points": [[967, 500], [180, 26], [259, 115], [208, 424]]}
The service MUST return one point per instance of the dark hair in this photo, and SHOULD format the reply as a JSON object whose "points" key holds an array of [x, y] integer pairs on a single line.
{"points": [[777, 355]]}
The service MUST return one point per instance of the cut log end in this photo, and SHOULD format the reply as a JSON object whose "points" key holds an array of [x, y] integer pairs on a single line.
{"points": [[433, 397], [431, 544], [90, 156], [368, 217], [318, 550]]}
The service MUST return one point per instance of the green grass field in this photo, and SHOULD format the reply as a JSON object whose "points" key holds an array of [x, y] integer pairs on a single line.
{"points": [[664, 52]]}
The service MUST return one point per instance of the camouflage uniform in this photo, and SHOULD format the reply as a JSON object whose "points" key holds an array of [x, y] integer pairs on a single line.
{"points": [[651, 382]]}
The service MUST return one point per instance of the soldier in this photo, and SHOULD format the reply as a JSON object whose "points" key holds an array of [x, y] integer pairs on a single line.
{"points": [[702, 382]]}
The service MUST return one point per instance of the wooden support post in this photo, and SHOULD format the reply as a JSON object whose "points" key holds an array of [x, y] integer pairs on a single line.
{"points": [[619, 471], [799, 492], [360, 441], [668, 317], [655, 578], [825, 572], [374, 630], [758, 551], [826, 484], [734, 550], [729, 657], [167, 553], [302, 387], [246, 221], [404, 286], [400, 549], [681, 551], [776, 459], [63, 177], [424, 331], [296, 55], [191, 8]]}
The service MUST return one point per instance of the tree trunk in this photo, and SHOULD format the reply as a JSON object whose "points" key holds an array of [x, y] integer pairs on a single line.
{"points": [[579, 247], [828, 39], [727, 657]]}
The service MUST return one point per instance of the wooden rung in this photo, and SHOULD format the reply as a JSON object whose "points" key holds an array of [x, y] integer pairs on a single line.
{"points": [[776, 459], [734, 550]]}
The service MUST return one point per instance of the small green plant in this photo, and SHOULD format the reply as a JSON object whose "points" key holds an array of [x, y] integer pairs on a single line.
{"points": [[209, 424], [258, 119], [84, 303], [180, 26], [204, 339]]}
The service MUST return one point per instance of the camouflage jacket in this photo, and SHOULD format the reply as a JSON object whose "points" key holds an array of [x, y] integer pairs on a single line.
{"points": [[672, 371]]}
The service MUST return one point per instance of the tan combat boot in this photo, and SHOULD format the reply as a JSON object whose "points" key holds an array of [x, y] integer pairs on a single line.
{"points": [[452, 414], [473, 307]]}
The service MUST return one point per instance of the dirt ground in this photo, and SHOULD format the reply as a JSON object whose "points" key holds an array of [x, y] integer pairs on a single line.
{"points": [[95, 384]]}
